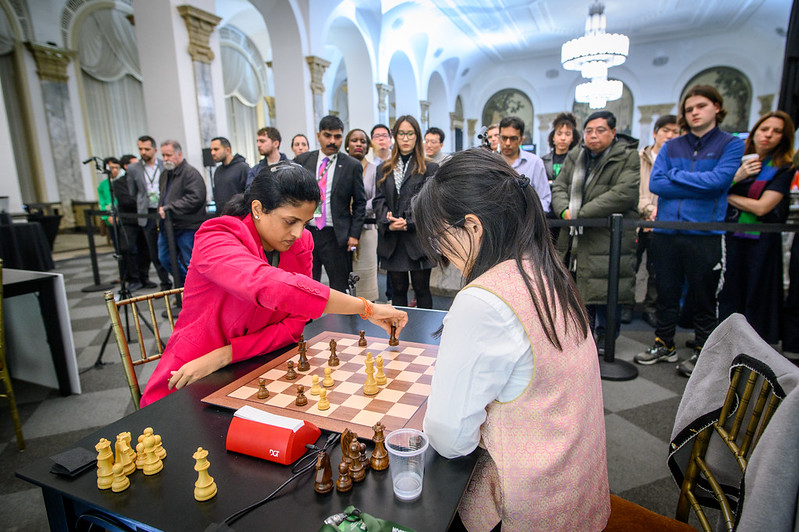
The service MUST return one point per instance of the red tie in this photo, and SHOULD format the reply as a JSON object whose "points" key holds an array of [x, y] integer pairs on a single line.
{"points": [[322, 180]]}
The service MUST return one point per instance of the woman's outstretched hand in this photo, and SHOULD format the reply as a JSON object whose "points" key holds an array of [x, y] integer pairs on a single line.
{"points": [[385, 316]]}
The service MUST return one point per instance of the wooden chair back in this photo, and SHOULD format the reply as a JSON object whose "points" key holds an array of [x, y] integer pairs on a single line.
{"points": [[153, 305], [5, 376], [749, 405]]}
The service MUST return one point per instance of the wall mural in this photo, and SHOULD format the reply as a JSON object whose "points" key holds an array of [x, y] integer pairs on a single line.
{"points": [[622, 109], [510, 102], [736, 90]]}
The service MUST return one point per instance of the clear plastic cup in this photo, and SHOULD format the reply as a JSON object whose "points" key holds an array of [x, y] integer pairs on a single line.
{"points": [[406, 449]]}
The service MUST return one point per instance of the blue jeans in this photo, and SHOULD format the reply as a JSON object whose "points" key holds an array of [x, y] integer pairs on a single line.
{"points": [[184, 240]]}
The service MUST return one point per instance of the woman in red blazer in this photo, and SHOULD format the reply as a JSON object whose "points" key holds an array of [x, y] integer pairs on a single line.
{"points": [[249, 289]]}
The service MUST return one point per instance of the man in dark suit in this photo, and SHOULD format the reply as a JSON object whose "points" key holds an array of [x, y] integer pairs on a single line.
{"points": [[339, 218]]}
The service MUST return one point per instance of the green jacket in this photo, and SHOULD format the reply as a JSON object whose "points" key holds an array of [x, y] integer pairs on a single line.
{"points": [[613, 189]]}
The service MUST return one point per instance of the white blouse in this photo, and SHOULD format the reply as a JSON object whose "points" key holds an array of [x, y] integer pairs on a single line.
{"points": [[484, 356]]}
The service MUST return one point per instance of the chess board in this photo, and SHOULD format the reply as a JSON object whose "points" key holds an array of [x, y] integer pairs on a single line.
{"points": [[401, 402]]}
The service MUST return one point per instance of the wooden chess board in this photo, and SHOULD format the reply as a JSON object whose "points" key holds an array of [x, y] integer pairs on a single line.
{"points": [[401, 402]]}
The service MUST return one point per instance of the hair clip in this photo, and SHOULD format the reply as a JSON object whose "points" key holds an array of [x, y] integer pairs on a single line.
{"points": [[523, 181]]}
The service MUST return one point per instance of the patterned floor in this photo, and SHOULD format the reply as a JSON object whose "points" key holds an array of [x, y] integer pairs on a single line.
{"points": [[639, 413]]}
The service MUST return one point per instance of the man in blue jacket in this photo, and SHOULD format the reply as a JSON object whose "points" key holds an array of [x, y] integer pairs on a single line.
{"points": [[691, 176]]}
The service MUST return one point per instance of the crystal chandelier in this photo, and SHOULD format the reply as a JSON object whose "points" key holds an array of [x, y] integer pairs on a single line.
{"points": [[592, 54]]}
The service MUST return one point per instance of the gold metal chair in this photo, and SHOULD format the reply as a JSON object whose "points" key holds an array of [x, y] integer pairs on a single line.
{"points": [[154, 310], [5, 376], [745, 384]]}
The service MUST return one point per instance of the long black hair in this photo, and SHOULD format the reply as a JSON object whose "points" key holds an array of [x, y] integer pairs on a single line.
{"points": [[284, 183], [481, 183]]}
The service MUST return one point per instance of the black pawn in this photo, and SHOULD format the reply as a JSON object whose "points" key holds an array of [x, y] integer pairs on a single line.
{"points": [[362, 339], [291, 374], [344, 482]]}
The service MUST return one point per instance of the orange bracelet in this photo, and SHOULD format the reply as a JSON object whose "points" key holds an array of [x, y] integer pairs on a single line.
{"points": [[367, 309]]}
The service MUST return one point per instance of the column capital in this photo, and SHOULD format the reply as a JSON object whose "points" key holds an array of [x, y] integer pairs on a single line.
{"points": [[51, 62], [766, 101], [648, 112], [383, 90], [318, 67], [545, 120], [270, 105], [472, 125], [424, 114], [455, 121], [200, 25]]}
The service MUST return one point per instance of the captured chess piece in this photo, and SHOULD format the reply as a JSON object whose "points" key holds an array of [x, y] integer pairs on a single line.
{"points": [[362, 339], [362, 457], [333, 360], [130, 449], [346, 439], [263, 393], [160, 452], [344, 482], [328, 381], [152, 464], [380, 378], [315, 388], [379, 459], [140, 455], [205, 487], [123, 457], [291, 374], [392, 341], [357, 471], [105, 464], [301, 399], [324, 402], [323, 477], [121, 481]]}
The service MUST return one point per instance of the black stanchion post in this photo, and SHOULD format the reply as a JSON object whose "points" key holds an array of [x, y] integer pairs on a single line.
{"points": [[610, 368], [97, 286]]}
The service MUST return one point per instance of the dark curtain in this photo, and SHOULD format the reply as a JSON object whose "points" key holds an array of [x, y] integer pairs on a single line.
{"points": [[789, 91]]}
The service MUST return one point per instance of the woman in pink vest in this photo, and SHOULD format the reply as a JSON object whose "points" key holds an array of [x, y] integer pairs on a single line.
{"points": [[517, 370], [249, 289]]}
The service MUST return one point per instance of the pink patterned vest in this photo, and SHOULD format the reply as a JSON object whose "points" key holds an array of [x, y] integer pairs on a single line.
{"points": [[546, 465]]}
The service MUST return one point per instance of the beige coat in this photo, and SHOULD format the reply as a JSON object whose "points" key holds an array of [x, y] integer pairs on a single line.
{"points": [[647, 202]]}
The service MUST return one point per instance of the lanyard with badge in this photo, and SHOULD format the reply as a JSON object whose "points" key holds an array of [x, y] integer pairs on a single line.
{"points": [[152, 195]]}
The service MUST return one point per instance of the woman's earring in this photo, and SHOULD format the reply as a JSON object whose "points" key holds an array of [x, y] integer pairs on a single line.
{"points": [[257, 217]]}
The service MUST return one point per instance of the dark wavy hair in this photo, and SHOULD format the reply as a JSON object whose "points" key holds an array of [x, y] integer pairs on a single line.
{"points": [[783, 151], [515, 228], [564, 119], [285, 183]]}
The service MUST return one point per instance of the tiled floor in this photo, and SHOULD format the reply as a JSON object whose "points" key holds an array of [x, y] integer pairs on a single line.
{"points": [[639, 413]]}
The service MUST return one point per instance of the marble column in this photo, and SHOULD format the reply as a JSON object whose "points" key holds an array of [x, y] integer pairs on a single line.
{"points": [[200, 25], [648, 113], [544, 125], [472, 128], [317, 65], [424, 114], [383, 91], [51, 65], [766, 101], [270, 105]]}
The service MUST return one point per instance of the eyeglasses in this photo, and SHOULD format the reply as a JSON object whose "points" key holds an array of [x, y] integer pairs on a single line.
{"points": [[432, 141], [406, 134], [381, 136], [435, 240], [598, 131], [514, 138]]}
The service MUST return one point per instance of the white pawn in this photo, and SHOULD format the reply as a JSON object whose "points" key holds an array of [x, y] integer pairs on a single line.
{"points": [[323, 403], [152, 464], [315, 388], [121, 482], [327, 382]]}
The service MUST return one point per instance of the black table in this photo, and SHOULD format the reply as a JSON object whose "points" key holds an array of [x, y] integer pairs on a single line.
{"points": [[55, 318], [25, 246], [166, 502]]}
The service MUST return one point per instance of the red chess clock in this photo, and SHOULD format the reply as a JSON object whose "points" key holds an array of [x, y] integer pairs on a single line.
{"points": [[269, 436]]}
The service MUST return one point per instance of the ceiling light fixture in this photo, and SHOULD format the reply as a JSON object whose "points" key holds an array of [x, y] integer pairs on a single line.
{"points": [[592, 54]]}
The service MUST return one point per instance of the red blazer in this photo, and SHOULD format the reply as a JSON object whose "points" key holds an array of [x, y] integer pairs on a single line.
{"points": [[233, 296]]}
